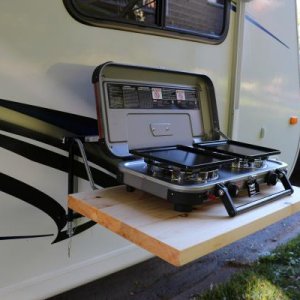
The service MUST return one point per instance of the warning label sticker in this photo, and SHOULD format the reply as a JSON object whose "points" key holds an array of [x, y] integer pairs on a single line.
{"points": [[180, 95], [157, 93]]}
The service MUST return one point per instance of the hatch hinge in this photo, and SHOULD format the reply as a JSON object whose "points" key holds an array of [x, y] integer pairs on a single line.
{"points": [[223, 135]]}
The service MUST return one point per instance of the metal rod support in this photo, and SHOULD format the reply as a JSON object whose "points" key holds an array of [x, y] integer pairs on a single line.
{"points": [[72, 142], [85, 162]]}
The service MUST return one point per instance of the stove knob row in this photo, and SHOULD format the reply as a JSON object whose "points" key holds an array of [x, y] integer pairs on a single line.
{"points": [[271, 178]]}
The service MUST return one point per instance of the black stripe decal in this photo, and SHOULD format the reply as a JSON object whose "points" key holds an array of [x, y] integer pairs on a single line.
{"points": [[34, 197], [43, 202], [258, 25], [255, 23], [52, 159], [78, 125], [56, 161], [20, 237], [78, 229], [43, 156]]}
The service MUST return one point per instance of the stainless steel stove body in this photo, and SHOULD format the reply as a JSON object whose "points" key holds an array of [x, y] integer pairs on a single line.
{"points": [[164, 126]]}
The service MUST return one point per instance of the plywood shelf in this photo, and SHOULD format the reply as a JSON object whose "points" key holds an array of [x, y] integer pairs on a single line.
{"points": [[178, 238]]}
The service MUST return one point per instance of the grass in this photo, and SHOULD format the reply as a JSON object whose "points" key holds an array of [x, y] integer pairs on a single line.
{"points": [[273, 277]]}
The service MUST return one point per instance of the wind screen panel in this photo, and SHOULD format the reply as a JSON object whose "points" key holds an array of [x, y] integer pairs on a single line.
{"points": [[196, 16], [131, 11]]}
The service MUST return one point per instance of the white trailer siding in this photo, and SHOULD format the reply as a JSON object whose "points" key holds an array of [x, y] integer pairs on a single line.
{"points": [[269, 93], [47, 59]]}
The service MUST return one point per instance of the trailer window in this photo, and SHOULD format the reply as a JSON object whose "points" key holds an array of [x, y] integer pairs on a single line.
{"points": [[196, 16], [206, 19]]}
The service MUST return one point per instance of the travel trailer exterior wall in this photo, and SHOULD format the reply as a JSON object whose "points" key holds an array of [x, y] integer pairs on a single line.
{"points": [[47, 60], [269, 79]]}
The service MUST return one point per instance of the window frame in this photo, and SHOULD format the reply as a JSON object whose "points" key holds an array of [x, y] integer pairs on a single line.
{"points": [[160, 29]]}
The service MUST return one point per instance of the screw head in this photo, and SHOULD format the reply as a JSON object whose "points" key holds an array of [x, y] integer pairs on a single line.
{"points": [[220, 193]]}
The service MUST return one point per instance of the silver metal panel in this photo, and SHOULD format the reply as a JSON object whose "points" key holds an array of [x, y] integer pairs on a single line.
{"points": [[134, 125], [140, 179]]}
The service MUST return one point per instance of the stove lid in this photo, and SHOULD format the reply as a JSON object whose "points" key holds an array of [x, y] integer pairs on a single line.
{"points": [[142, 107]]}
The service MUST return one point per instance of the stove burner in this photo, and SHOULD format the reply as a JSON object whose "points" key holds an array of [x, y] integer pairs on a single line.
{"points": [[252, 164], [180, 176]]}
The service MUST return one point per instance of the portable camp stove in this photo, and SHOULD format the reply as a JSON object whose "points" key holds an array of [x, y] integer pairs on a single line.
{"points": [[164, 126]]}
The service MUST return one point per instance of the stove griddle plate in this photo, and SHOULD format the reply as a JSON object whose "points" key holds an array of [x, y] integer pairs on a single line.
{"points": [[238, 149], [184, 157]]}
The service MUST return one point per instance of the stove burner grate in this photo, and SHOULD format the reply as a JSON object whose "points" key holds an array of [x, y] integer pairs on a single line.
{"points": [[180, 176], [250, 164]]}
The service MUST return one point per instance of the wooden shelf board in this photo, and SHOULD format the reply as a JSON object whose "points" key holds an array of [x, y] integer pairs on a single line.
{"points": [[178, 238]]}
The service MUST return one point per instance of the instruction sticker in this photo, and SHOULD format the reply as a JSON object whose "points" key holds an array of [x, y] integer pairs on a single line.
{"points": [[157, 93], [180, 95]]}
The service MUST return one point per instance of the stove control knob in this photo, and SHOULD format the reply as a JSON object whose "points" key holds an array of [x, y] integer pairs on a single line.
{"points": [[272, 178], [233, 190]]}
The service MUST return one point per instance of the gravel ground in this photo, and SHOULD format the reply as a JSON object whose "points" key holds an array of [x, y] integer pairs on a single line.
{"points": [[156, 279]]}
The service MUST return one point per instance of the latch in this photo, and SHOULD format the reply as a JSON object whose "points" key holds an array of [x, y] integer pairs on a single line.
{"points": [[161, 129]]}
